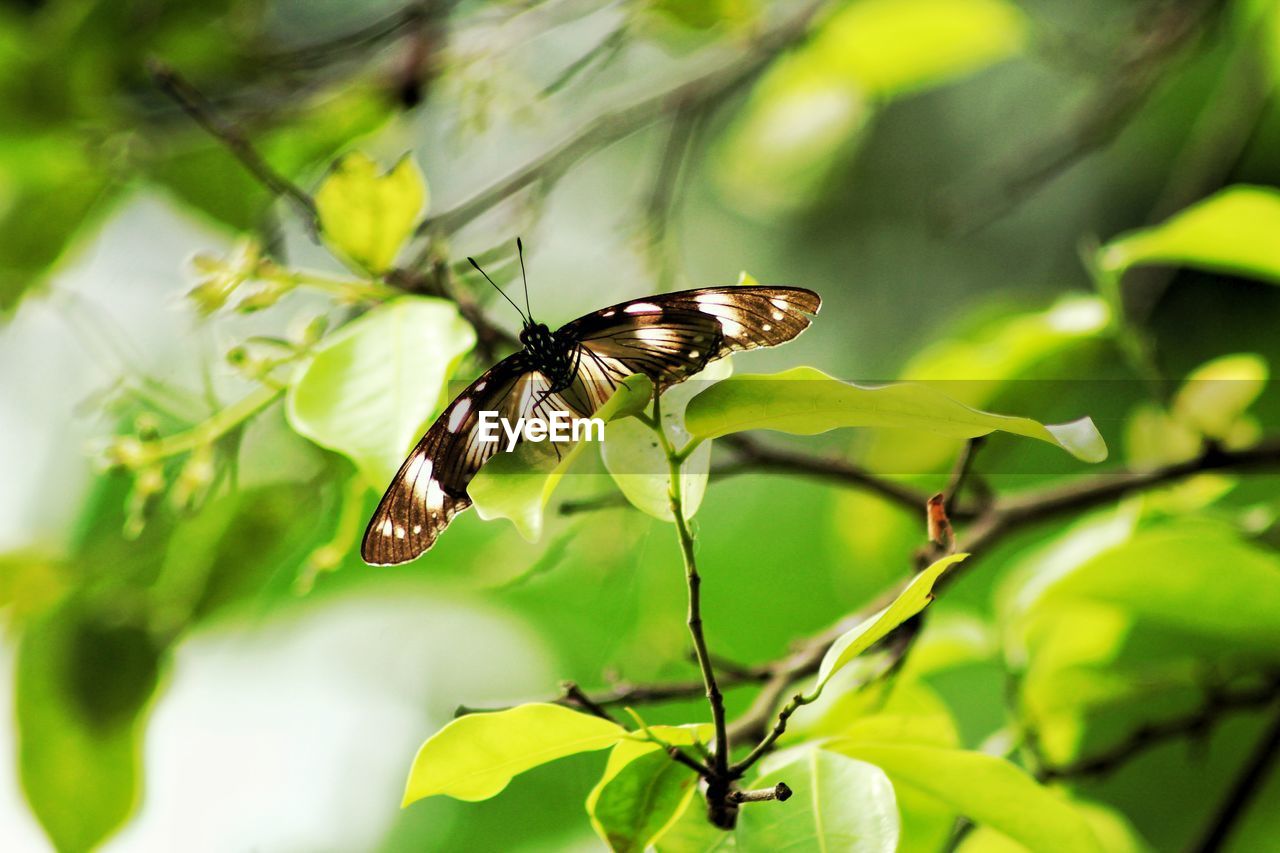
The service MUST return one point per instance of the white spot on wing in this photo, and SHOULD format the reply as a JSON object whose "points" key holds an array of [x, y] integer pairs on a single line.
{"points": [[765, 327], [778, 303], [385, 527], [480, 386], [642, 308], [459, 414], [399, 532], [777, 315], [417, 528], [608, 313], [732, 328]]}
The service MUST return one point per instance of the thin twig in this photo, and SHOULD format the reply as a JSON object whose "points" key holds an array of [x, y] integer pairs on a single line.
{"points": [[779, 792], [611, 126], [194, 104], [961, 473], [570, 692], [600, 55], [676, 496], [663, 195], [1218, 704], [1244, 790], [753, 456]]}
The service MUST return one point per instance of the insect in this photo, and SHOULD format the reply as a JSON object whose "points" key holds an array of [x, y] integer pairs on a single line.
{"points": [[668, 337]]}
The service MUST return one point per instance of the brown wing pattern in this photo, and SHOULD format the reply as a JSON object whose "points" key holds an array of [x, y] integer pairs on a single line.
{"points": [[431, 486], [749, 316]]}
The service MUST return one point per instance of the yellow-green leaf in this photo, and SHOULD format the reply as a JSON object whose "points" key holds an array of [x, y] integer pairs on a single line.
{"points": [[637, 463], [1217, 393], [986, 789], [805, 401], [372, 386], [476, 756], [1233, 231], [857, 640], [838, 803], [366, 217]]}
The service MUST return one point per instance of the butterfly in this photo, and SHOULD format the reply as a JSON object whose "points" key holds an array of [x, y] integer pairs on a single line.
{"points": [[574, 369]]}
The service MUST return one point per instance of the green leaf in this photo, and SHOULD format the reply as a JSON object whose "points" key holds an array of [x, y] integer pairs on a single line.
{"points": [[986, 789], [518, 485], [1218, 393], [857, 640], [367, 217], [1203, 581], [1233, 231], [889, 47], [476, 756], [639, 467], [838, 803], [805, 401], [82, 684], [705, 14], [637, 804], [373, 385]]}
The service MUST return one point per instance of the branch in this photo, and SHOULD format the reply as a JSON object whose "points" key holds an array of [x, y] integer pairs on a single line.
{"points": [[194, 104], [753, 456], [675, 493], [614, 125], [1218, 705], [1244, 790]]}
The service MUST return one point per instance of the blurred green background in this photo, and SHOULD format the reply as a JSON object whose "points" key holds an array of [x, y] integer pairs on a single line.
{"points": [[939, 171]]}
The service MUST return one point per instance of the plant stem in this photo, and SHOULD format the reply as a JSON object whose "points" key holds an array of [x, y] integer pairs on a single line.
{"points": [[694, 581], [779, 726], [216, 426]]}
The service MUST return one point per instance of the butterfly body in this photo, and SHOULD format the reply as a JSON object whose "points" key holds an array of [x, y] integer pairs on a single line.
{"points": [[553, 354], [668, 337]]}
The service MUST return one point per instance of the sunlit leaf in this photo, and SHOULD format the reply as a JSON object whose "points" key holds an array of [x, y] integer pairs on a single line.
{"points": [[371, 387], [640, 800], [986, 789], [1203, 581], [837, 803], [475, 756], [1232, 231], [636, 812], [81, 687], [875, 628], [1217, 393], [518, 485], [636, 461], [366, 217], [805, 401]]}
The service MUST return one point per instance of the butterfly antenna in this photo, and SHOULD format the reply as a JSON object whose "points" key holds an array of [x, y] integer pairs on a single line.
{"points": [[499, 289], [523, 276]]}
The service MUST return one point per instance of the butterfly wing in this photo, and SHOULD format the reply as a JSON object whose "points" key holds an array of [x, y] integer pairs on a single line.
{"points": [[671, 336], [431, 486]]}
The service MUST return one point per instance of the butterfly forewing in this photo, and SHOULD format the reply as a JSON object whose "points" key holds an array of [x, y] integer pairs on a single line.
{"points": [[431, 486], [668, 337]]}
